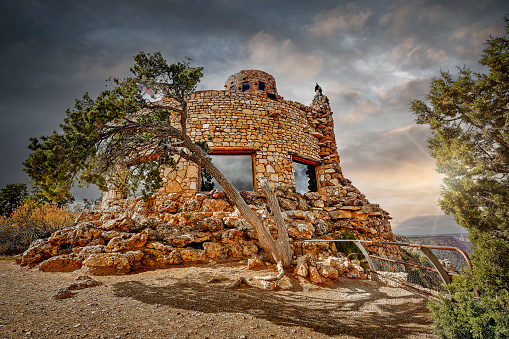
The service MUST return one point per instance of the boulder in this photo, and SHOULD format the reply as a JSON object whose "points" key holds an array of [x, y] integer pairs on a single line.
{"points": [[210, 224], [340, 214], [192, 255], [327, 271], [314, 276], [232, 236], [62, 263], [182, 241], [301, 231], [254, 261], [301, 269], [248, 248], [215, 250], [127, 241], [112, 263], [215, 205], [79, 235], [38, 251], [85, 252]]}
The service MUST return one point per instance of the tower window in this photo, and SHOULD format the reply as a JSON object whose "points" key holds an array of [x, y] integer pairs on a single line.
{"points": [[232, 88], [261, 86], [305, 177], [245, 86], [271, 96], [238, 168]]}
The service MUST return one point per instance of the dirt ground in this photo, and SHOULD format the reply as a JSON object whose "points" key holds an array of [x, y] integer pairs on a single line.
{"points": [[197, 302]]}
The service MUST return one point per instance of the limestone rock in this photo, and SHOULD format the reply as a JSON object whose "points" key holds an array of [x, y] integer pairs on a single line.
{"points": [[182, 241], [211, 224], [82, 282], [38, 251], [112, 263], [254, 261], [85, 252], [61, 263], [107, 236], [340, 214], [215, 250], [327, 271], [63, 293], [232, 236], [79, 235], [314, 276], [192, 255], [215, 205], [127, 241], [301, 231], [284, 283], [248, 249], [301, 269]]}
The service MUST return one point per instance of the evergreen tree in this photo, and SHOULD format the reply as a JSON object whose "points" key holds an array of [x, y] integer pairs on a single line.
{"points": [[468, 115], [11, 196]]}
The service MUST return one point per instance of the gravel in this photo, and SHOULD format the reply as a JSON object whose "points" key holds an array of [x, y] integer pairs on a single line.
{"points": [[196, 302]]}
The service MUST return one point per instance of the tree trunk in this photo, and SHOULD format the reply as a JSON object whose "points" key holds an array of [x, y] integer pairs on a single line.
{"points": [[283, 250], [279, 249]]}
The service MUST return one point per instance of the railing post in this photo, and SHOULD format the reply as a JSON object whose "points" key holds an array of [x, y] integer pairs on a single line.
{"points": [[438, 266], [368, 258]]}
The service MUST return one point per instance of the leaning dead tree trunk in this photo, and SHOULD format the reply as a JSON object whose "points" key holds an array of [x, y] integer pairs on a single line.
{"points": [[278, 248], [282, 243]]}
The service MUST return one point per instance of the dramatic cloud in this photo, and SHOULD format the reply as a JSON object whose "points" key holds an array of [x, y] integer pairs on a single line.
{"points": [[283, 56], [342, 19]]}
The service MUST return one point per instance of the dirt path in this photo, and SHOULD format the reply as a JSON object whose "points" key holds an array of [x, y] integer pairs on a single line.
{"points": [[182, 303]]}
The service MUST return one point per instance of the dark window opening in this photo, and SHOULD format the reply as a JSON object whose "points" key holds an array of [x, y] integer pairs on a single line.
{"points": [[261, 86], [271, 96], [305, 177], [238, 168], [245, 86], [232, 88]]}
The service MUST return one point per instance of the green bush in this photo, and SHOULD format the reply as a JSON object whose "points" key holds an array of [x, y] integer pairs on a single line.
{"points": [[347, 247], [464, 316]]}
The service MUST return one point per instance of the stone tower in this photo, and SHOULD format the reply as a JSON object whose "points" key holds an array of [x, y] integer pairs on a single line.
{"points": [[249, 122]]}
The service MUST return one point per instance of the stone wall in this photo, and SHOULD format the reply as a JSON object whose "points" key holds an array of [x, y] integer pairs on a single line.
{"points": [[273, 131]]}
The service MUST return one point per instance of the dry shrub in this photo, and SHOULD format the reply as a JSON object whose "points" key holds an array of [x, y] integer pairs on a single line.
{"points": [[30, 222]]}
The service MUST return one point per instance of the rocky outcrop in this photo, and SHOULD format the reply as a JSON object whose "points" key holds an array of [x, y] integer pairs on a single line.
{"points": [[126, 235]]}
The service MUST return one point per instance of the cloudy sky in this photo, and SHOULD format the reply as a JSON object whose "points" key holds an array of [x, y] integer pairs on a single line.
{"points": [[370, 57]]}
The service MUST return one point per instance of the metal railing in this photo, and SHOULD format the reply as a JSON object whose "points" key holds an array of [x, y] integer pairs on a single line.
{"points": [[413, 266]]}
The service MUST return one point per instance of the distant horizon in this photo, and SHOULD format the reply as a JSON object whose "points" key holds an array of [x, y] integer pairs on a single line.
{"points": [[431, 235]]}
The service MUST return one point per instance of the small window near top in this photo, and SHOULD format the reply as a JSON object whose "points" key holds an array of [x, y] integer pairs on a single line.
{"points": [[261, 86], [271, 96], [245, 86], [305, 177], [232, 88]]}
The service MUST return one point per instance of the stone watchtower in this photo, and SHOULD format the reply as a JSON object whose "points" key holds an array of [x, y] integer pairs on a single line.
{"points": [[253, 132]]}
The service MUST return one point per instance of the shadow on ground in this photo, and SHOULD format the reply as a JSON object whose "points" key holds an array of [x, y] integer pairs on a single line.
{"points": [[330, 317]]}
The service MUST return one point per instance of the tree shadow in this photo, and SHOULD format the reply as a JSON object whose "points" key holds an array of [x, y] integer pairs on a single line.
{"points": [[330, 317]]}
